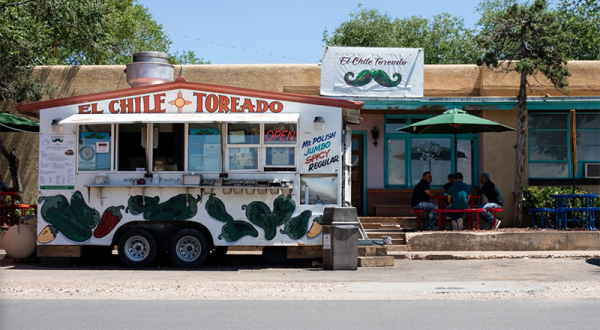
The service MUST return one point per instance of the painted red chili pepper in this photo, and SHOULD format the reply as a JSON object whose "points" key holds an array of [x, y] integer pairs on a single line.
{"points": [[109, 221]]}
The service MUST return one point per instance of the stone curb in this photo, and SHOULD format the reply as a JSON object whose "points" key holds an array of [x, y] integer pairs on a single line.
{"points": [[482, 255]]}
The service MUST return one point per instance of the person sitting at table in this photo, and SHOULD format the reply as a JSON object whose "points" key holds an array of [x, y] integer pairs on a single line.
{"points": [[494, 197], [458, 198], [446, 187], [420, 200]]}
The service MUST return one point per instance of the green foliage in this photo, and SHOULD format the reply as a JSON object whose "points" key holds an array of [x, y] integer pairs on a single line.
{"points": [[72, 32], [580, 19], [445, 39], [535, 197]]}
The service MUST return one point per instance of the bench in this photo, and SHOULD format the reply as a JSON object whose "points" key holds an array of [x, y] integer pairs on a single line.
{"points": [[442, 218]]}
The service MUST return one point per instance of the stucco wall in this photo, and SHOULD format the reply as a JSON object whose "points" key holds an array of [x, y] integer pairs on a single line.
{"points": [[497, 153]]}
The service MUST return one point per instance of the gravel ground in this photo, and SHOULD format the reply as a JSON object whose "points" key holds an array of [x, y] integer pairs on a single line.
{"points": [[575, 278]]}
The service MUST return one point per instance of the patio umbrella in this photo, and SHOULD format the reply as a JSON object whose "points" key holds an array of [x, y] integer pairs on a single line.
{"points": [[12, 123], [454, 121]]}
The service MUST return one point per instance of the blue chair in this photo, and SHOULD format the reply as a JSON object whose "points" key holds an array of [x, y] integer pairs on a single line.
{"points": [[544, 213]]}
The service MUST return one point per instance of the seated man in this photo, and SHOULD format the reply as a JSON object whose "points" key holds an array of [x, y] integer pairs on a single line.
{"points": [[420, 200], [446, 187], [494, 197], [458, 198]]}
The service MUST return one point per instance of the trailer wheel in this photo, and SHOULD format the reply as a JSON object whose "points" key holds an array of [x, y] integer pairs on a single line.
{"points": [[188, 248], [137, 248]]}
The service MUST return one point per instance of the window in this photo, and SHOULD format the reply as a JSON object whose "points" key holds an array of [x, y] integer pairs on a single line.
{"points": [[434, 153], [549, 147], [131, 154], [243, 141], [168, 144], [94, 148], [280, 146], [204, 147]]}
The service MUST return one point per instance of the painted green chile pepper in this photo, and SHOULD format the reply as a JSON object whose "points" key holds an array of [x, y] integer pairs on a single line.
{"points": [[138, 204], [296, 227], [283, 206], [57, 211], [236, 229], [85, 214], [179, 207], [216, 209], [260, 214]]}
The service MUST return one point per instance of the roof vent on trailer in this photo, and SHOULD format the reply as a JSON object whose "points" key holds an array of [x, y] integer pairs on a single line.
{"points": [[149, 68]]}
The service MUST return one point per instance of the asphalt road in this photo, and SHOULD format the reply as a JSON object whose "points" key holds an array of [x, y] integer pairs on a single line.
{"points": [[246, 293]]}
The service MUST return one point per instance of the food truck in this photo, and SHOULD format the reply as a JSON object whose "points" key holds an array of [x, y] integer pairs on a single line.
{"points": [[189, 169]]}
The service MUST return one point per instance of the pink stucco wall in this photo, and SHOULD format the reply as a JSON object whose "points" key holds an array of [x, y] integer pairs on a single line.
{"points": [[374, 163]]}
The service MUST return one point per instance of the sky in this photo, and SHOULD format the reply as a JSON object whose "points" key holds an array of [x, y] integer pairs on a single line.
{"points": [[276, 31]]}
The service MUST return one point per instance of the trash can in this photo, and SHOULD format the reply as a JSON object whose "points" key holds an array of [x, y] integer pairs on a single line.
{"points": [[340, 238]]}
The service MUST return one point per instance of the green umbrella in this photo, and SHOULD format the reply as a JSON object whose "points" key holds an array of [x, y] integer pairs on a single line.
{"points": [[12, 123], [455, 121]]}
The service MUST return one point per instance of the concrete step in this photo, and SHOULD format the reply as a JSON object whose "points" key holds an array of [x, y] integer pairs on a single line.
{"points": [[372, 251], [376, 261], [396, 248], [398, 237]]}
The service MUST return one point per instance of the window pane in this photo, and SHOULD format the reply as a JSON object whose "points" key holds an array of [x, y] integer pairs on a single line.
{"points": [[396, 162], [243, 133], [466, 160], [547, 121], [391, 124], [243, 158], [168, 152], [548, 170], [130, 148], [433, 155], [589, 153], [282, 156], [547, 153], [280, 134], [204, 147], [94, 148], [548, 138], [587, 121], [588, 138]]}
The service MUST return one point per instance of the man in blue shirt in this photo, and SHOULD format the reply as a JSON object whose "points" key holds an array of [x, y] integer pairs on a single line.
{"points": [[458, 198]]}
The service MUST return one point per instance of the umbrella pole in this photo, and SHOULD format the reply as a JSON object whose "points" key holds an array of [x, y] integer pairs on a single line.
{"points": [[455, 154]]}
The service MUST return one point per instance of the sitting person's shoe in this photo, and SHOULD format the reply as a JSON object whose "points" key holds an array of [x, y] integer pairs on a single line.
{"points": [[460, 224], [454, 225], [497, 223]]}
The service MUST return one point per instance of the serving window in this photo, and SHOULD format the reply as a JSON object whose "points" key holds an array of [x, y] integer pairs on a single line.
{"points": [[199, 147], [94, 148], [204, 147], [270, 146]]}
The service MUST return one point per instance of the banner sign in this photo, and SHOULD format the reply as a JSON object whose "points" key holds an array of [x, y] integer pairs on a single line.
{"points": [[372, 72]]}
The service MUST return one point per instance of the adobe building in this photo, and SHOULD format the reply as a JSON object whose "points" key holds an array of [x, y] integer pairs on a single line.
{"points": [[384, 173]]}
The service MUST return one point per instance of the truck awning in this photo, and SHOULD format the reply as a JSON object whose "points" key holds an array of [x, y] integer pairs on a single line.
{"points": [[130, 118]]}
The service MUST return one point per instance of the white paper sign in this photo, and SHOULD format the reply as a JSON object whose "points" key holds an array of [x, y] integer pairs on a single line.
{"points": [[372, 72], [326, 241], [57, 162]]}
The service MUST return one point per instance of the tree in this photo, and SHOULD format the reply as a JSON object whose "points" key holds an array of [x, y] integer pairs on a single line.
{"points": [[581, 20], [70, 32], [528, 40], [445, 39]]}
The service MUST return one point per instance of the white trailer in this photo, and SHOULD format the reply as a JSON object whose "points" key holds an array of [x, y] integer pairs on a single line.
{"points": [[189, 168]]}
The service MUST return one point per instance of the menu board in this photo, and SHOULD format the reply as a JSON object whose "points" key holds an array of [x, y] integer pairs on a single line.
{"points": [[57, 162]]}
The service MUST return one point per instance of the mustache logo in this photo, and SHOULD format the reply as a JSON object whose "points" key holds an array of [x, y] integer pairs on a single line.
{"points": [[57, 140], [366, 76]]}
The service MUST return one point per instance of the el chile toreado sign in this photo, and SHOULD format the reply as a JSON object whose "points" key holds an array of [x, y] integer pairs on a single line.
{"points": [[372, 72]]}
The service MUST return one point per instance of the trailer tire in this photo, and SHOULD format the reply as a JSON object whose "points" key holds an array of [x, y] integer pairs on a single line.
{"points": [[188, 248], [137, 248]]}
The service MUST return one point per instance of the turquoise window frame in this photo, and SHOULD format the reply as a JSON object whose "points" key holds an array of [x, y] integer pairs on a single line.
{"points": [[407, 138], [580, 170], [365, 168]]}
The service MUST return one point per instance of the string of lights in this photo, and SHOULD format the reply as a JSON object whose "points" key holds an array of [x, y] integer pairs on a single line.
{"points": [[242, 49]]}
